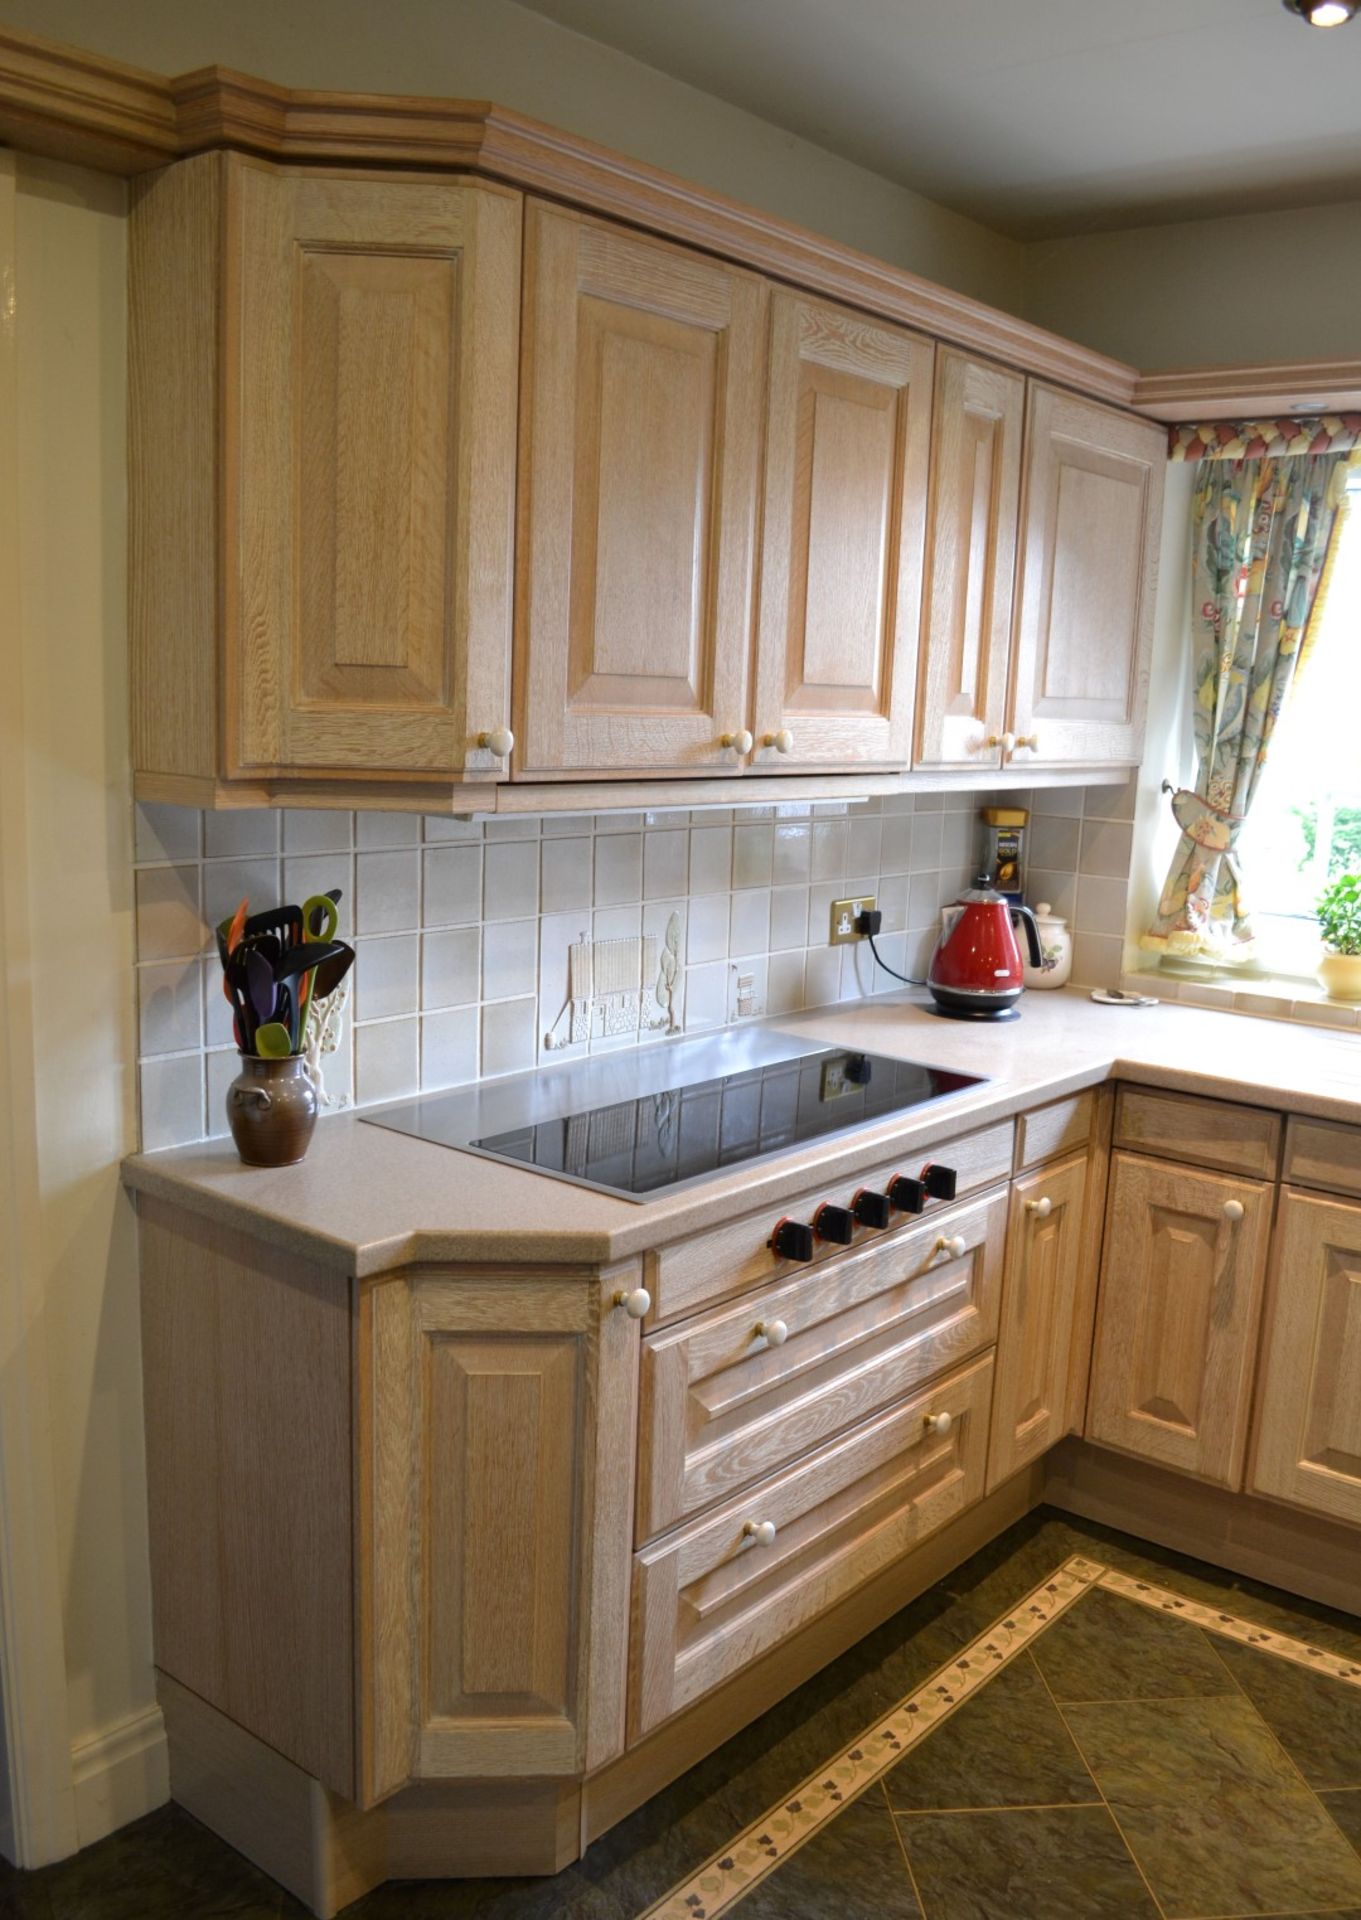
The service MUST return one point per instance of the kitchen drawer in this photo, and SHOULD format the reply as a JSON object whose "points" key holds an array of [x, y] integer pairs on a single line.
{"points": [[1320, 1154], [1063, 1126], [711, 1597], [692, 1273], [1208, 1133], [720, 1406]]}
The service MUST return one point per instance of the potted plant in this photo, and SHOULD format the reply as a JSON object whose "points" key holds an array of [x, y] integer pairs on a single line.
{"points": [[1339, 921]]}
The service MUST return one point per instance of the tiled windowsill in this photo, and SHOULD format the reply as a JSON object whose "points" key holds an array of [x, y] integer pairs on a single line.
{"points": [[1269, 997]]}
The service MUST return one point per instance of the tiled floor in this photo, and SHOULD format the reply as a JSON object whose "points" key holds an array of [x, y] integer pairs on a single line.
{"points": [[1096, 1756]]}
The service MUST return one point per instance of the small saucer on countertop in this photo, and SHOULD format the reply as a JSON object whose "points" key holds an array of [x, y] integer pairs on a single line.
{"points": [[1113, 997]]}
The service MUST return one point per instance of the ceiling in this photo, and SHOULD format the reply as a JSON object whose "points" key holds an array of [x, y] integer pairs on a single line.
{"points": [[1037, 117]]}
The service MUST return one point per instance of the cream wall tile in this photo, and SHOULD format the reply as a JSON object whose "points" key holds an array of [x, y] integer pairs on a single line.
{"points": [[1057, 801], [566, 826], [788, 919], [387, 890], [666, 859], [926, 839], [893, 901], [749, 925], [710, 859], [223, 1068], [618, 822], [1101, 905], [386, 1061], [1110, 803], [306, 832], [793, 854], [923, 898], [1106, 848], [1322, 1013], [510, 879], [449, 1047], [706, 996], [318, 873], [829, 850], [1053, 843], [169, 925], [748, 987], [376, 832], [453, 886], [566, 874], [226, 883], [386, 976], [753, 852], [618, 868], [785, 983], [863, 844], [1058, 889], [217, 1009], [437, 828], [450, 967], [509, 959], [524, 826], [896, 843], [822, 976], [1096, 960], [509, 1035], [707, 929]]}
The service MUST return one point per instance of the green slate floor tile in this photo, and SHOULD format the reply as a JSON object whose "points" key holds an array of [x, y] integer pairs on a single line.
{"points": [[853, 1870], [1107, 1648], [1316, 1719], [1007, 1747], [1049, 1863], [1213, 1810]]}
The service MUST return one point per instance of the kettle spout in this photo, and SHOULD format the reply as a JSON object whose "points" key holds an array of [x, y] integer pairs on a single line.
{"points": [[1026, 918]]}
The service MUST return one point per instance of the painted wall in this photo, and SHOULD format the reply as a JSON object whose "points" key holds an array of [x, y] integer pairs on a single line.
{"points": [[70, 302], [1260, 286], [494, 50]]}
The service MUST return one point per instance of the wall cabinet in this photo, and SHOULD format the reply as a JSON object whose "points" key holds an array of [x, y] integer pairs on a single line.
{"points": [[643, 378], [1177, 1317], [975, 507], [848, 434], [1041, 1295], [1307, 1448], [1091, 523], [356, 338]]}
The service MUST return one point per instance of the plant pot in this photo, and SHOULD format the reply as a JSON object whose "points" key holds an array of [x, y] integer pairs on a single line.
{"points": [[1339, 974], [271, 1110]]}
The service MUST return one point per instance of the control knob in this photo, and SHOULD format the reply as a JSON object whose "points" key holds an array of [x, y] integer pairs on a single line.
{"points": [[940, 1181], [907, 1193], [834, 1223], [871, 1209], [792, 1240]]}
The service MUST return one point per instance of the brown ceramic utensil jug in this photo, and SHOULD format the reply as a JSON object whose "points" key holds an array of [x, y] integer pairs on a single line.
{"points": [[271, 1110]]}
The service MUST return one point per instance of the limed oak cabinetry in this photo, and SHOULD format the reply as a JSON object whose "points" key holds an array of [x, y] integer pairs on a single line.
{"points": [[405, 530]]}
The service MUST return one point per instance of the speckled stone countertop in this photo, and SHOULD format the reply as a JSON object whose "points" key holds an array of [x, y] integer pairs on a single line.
{"points": [[366, 1199]]}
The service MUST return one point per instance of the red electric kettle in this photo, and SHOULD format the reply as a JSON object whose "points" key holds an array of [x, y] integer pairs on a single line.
{"points": [[975, 971]]}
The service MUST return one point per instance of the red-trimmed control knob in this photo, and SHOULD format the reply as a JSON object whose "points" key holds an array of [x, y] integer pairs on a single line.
{"points": [[940, 1181], [907, 1193], [792, 1240], [871, 1209], [834, 1223]]}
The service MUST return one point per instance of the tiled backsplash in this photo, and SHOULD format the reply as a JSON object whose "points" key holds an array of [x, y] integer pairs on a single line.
{"points": [[462, 929]]}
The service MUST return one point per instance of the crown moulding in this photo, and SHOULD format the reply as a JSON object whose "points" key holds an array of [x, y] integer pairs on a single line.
{"points": [[78, 106]]}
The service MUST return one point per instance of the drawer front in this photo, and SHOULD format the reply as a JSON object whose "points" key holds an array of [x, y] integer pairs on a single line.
{"points": [[1319, 1154], [692, 1273], [1207, 1133], [721, 1406], [1064, 1126], [711, 1598]]}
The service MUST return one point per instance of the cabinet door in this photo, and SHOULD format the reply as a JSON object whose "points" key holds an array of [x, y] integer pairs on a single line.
{"points": [[1308, 1445], [1177, 1318], [370, 445], [847, 450], [1040, 1296], [971, 566], [642, 388], [496, 1440], [1088, 573]]}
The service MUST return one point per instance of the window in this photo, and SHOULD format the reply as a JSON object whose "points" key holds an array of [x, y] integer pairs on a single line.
{"points": [[1305, 824]]}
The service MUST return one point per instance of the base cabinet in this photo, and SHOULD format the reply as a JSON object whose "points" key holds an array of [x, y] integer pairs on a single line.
{"points": [[1308, 1435], [1180, 1299], [1040, 1301]]}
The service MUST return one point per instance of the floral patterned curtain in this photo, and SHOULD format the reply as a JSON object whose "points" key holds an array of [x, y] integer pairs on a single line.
{"points": [[1260, 532]]}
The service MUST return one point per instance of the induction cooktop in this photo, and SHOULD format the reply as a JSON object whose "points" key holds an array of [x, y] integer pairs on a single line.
{"points": [[664, 1117]]}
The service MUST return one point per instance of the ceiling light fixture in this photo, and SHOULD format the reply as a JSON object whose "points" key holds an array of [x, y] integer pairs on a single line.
{"points": [[1323, 13]]}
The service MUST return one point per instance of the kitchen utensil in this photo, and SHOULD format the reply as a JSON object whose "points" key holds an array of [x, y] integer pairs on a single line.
{"points": [[330, 973], [975, 971], [260, 984], [285, 923], [319, 915], [301, 960], [236, 988], [273, 1041]]}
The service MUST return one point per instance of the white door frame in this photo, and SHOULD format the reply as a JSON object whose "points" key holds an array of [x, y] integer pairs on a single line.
{"points": [[34, 1721]]}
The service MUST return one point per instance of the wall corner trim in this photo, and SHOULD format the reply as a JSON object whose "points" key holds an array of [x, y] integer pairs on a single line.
{"points": [[119, 1773]]}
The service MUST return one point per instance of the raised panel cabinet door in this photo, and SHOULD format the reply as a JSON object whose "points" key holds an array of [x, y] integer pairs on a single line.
{"points": [[1308, 1437], [1092, 520], [848, 431], [971, 562], [1040, 1299], [640, 440], [1178, 1315], [370, 456], [496, 1437]]}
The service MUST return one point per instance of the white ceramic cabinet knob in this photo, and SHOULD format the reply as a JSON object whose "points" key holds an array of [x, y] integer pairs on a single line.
{"points": [[952, 1243], [1041, 1208], [499, 740], [1006, 741], [773, 1332], [636, 1302], [1031, 740], [938, 1422], [1233, 1210], [783, 741], [740, 742], [761, 1531]]}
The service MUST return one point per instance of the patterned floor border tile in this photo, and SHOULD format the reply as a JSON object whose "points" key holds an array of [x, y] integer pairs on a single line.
{"points": [[755, 1853]]}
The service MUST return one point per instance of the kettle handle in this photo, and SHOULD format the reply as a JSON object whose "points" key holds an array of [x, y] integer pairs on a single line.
{"points": [[1032, 933]]}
